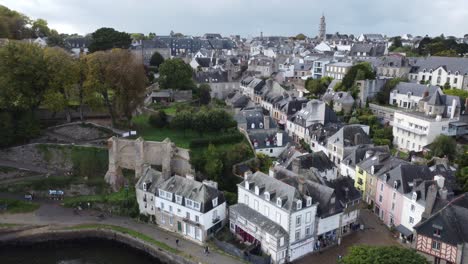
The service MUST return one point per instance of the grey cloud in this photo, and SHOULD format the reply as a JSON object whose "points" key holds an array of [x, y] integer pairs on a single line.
{"points": [[249, 17]]}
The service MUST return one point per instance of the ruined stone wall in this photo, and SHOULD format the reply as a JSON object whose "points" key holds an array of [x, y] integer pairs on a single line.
{"points": [[133, 154]]}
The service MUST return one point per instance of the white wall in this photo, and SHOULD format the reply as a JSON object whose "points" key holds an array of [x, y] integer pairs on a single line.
{"points": [[443, 77], [347, 170], [416, 214], [328, 224]]}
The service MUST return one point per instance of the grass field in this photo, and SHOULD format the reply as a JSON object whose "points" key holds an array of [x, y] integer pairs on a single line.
{"points": [[180, 138], [16, 206]]}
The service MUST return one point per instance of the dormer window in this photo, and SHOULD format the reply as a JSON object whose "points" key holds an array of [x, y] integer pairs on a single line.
{"points": [[309, 201], [437, 231], [261, 125], [178, 199], [247, 185], [395, 184], [257, 190], [299, 205], [279, 202], [415, 196], [145, 187], [267, 196], [215, 202]]}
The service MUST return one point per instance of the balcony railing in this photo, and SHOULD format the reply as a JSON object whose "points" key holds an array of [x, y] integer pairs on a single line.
{"points": [[410, 129]]}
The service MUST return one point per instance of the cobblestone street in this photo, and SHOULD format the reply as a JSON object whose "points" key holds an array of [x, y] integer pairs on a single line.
{"points": [[374, 233]]}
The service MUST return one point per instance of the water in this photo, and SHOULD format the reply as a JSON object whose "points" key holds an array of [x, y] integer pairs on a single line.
{"points": [[74, 252]]}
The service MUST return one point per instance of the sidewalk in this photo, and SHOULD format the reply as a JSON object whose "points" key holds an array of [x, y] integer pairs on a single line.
{"points": [[53, 214]]}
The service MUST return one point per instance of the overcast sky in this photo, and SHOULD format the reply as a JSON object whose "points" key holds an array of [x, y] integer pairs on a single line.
{"points": [[249, 17]]}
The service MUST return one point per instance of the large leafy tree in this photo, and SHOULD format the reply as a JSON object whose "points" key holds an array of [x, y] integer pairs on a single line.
{"points": [[109, 38], [444, 146], [382, 255], [13, 25], [63, 72], [119, 78], [360, 71], [318, 87], [156, 59], [40, 28], [383, 96], [24, 79], [175, 74], [204, 94]]}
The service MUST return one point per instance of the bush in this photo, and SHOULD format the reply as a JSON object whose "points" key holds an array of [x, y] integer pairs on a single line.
{"points": [[225, 139], [231, 197], [158, 120]]}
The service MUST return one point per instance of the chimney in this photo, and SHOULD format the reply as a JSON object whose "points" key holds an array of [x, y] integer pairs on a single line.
{"points": [[426, 94], [440, 181], [271, 172], [454, 107], [443, 193], [247, 174], [190, 176], [296, 164], [266, 121], [357, 139], [430, 200], [279, 139], [300, 185], [211, 184]]}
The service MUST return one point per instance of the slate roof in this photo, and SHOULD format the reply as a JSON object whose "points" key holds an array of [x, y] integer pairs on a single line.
{"points": [[344, 98], [405, 174], [312, 113], [318, 160], [451, 219], [272, 185], [238, 100], [211, 77], [438, 98], [321, 133], [258, 219], [346, 136], [359, 153], [372, 50], [152, 178], [415, 89], [294, 105], [452, 64], [261, 137], [193, 190]]}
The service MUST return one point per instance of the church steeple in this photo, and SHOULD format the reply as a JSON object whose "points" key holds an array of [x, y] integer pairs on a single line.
{"points": [[322, 28]]}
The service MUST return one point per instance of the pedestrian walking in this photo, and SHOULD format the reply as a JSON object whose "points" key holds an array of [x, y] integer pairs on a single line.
{"points": [[177, 242]]}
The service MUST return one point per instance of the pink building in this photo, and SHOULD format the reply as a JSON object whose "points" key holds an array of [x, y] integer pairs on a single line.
{"points": [[391, 188]]}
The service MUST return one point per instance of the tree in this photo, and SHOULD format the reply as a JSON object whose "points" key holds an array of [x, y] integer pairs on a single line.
{"points": [[63, 72], [14, 25], [40, 28], [24, 79], [382, 255], [444, 146], [396, 43], [158, 119], [156, 59], [55, 39], [7, 133], [182, 120], [383, 96], [200, 122], [213, 166], [204, 95], [175, 74], [360, 71], [109, 38], [300, 36]]}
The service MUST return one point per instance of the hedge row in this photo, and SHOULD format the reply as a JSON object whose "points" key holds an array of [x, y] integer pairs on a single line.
{"points": [[225, 139]]}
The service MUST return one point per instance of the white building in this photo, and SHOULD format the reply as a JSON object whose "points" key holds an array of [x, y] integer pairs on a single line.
{"points": [[315, 111], [408, 95], [337, 70], [440, 71], [182, 205], [414, 130], [275, 215]]}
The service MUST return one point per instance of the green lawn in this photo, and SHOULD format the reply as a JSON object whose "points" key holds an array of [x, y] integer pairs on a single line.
{"points": [[112, 198], [130, 232], [170, 109], [180, 138], [17, 206]]}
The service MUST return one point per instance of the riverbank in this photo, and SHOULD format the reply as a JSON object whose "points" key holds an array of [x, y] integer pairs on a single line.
{"points": [[160, 251]]}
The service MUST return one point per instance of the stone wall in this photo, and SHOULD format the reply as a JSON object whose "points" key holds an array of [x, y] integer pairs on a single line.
{"points": [[134, 154], [49, 235]]}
